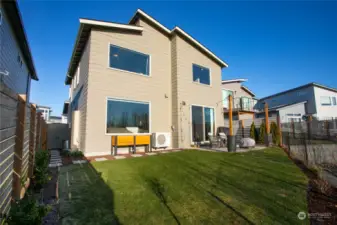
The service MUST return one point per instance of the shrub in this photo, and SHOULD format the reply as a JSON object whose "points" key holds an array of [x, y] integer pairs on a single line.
{"points": [[41, 175], [262, 132], [27, 211], [76, 153], [252, 131], [274, 130]]}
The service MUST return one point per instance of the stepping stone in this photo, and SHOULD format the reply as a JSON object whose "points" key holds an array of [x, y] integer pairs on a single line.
{"points": [[136, 155], [151, 153], [119, 157], [164, 152], [54, 165], [100, 159], [79, 161], [177, 150]]}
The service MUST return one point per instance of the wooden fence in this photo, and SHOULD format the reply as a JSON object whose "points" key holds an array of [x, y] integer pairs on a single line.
{"points": [[22, 132]]}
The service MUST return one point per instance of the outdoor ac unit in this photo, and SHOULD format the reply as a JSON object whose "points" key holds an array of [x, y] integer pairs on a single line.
{"points": [[161, 140]]}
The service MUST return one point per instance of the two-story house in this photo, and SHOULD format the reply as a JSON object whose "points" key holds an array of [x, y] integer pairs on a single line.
{"points": [[243, 99], [311, 99], [140, 78]]}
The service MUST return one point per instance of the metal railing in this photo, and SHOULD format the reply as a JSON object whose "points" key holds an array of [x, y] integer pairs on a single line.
{"points": [[241, 104]]}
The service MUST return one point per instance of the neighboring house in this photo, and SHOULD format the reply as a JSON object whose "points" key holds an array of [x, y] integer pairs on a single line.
{"points": [[16, 72], [55, 119], [16, 62], [45, 110], [141, 78], [65, 112], [243, 99], [310, 99]]}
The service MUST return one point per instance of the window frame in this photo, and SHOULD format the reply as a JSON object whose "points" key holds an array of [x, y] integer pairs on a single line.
{"points": [[333, 101], [126, 100], [1, 17], [210, 75], [320, 101], [191, 121], [126, 71]]}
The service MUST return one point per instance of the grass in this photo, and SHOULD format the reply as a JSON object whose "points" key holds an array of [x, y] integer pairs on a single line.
{"points": [[189, 187]]}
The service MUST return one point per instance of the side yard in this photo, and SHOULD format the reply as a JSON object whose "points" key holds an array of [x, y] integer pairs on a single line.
{"points": [[188, 187]]}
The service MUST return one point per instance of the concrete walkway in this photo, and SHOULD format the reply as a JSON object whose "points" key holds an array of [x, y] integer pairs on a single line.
{"points": [[55, 159]]}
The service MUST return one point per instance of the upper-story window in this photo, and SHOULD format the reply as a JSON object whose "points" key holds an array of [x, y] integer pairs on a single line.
{"points": [[201, 75], [325, 100], [78, 75], [334, 102], [129, 60]]}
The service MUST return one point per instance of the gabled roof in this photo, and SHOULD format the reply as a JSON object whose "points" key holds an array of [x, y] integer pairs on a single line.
{"points": [[301, 87], [177, 30], [234, 81], [83, 34], [14, 19], [87, 24]]}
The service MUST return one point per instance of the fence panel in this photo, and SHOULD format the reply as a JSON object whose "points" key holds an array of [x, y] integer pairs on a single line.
{"points": [[8, 117]]}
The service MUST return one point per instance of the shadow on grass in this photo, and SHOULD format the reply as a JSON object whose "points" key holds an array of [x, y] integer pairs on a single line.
{"points": [[85, 198], [159, 190]]}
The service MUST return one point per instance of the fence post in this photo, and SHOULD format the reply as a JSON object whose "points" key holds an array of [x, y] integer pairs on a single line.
{"points": [[327, 125], [268, 137], [19, 144], [43, 134], [38, 131], [231, 143], [32, 139], [309, 123], [279, 126]]}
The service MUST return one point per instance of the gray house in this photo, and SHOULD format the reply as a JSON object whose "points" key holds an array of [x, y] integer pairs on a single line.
{"points": [[310, 99]]}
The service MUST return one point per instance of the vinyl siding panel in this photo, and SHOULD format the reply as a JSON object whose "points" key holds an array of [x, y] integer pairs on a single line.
{"points": [[238, 91], [105, 82], [194, 93], [18, 79], [79, 97]]}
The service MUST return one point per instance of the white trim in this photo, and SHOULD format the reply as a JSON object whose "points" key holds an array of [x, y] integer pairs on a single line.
{"points": [[109, 24], [199, 45], [126, 100], [126, 71], [247, 90], [233, 80], [210, 75], [151, 19], [191, 121], [287, 106]]}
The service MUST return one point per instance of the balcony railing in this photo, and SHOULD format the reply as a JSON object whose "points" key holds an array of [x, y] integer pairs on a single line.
{"points": [[241, 104]]}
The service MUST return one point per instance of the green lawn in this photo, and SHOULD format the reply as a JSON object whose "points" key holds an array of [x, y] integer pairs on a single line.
{"points": [[188, 187]]}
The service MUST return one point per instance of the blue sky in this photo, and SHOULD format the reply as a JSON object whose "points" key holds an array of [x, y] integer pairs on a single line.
{"points": [[275, 45]]}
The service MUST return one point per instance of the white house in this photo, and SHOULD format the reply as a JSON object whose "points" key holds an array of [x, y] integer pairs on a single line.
{"points": [[311, 99]]}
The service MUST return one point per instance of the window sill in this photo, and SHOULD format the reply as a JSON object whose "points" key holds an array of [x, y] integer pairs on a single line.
{"points": [[127, 134], [201, 84], [131, 73]]}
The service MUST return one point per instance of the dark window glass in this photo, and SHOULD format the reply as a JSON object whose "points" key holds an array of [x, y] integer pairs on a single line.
{"points": [[209, 121], [125, 59], [197, 124], [127, 117], [334, 101], [201, 75]]}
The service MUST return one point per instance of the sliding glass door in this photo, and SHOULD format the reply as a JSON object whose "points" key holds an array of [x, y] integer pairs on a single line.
{"points": [[203, 123]]}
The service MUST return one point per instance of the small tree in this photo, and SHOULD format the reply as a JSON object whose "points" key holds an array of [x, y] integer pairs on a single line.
{"points": [[252, 131], [274, 130], [262, 132]]}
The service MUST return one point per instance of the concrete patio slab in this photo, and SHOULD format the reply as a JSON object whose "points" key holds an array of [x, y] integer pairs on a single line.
{"points": [[100, 159], [136, 155], [151, 153], [79, 161], [120, 157]]}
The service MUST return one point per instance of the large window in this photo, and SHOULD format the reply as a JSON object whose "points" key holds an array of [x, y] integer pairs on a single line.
{"points": [[128, 60], [225, 94], [202, 123], [201, 75], [325, 100], [334, 102], [127, 117]]}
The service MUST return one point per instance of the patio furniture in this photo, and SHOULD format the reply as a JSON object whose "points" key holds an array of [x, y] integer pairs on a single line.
{"points": [[214, 140], [223, 139], [130, 141]]}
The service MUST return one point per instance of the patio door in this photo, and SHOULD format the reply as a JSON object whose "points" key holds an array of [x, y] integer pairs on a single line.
{"points": [[202, 123]]}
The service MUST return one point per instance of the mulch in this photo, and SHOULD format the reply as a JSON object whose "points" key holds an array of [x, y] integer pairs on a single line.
{"points": [[321, 197]]}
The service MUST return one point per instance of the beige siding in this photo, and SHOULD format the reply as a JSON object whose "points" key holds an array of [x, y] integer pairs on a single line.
{"points": [[192, 93], [79, 94], [238, 91], [175, 105], [105, 82]]}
